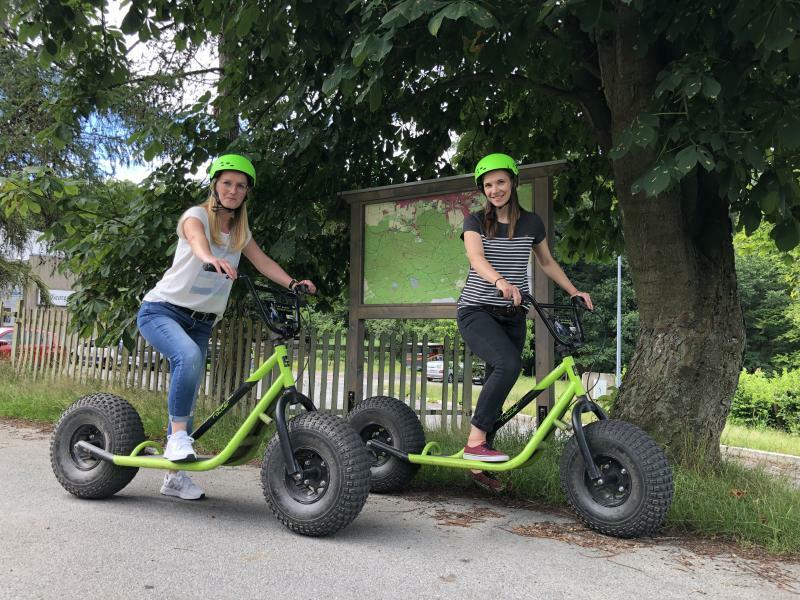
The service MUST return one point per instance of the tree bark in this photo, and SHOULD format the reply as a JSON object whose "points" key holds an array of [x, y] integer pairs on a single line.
{"points": [[686, 364]]}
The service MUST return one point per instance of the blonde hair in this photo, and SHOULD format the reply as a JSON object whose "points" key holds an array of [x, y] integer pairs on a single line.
{"points": [[240, 228]]}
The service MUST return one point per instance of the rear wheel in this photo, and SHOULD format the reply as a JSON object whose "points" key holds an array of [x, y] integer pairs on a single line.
{"points": [[636, 489], [103, 420], [335, 482], [392, 422]]}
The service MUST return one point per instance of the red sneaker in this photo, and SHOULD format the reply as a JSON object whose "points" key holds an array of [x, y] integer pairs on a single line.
{"points": [[488, 482], [483, 453]]}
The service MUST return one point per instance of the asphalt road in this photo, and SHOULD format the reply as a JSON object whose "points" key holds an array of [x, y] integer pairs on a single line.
{"points": [[140, 544]]}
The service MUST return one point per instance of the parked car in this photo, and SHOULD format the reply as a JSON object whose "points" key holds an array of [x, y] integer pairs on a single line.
{"points": [[435, 372], [6, 337], [43, 344]]}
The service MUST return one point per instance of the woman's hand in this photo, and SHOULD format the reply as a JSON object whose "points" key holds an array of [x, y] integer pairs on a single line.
{"points": [[308, 283], [510, 292], [222, 266], [585, 297]]}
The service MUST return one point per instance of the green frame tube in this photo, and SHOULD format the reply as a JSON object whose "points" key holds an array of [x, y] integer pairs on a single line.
{"points": [[284, 381], [527, 455]]}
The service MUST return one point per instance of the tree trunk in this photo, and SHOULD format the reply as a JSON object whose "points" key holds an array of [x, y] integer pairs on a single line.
{"points": [[686, 364]]}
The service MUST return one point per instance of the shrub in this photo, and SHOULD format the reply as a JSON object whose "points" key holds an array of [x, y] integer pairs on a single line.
{"points": [[762, 401]]}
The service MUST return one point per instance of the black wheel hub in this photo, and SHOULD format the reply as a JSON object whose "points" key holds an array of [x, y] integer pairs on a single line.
{"points": [[315, 478], [615, 488], [376, 432], [80, 458]]}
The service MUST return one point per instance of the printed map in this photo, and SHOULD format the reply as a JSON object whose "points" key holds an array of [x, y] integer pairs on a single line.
{"points": [[413, 253]]}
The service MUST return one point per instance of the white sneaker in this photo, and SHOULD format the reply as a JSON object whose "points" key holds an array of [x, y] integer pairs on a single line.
{"points": [[179, 448], [181, 486]]}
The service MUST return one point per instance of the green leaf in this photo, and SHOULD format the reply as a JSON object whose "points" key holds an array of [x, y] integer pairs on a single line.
{"points": [[375, 96], [786, 234], [361, 50], [455, 10], [28, 31], [780, 33], [789, 132], [750, 217], [153, 149], [770, 201], [794, 50], [754, 156], [181, 41], [711, 87], [669, 83], [372, 47], [618, 152], [655, 181], [686, 159], [132, 21], [706, 159], [692, 87], [246, 19], [51, 47], [546, 9]]}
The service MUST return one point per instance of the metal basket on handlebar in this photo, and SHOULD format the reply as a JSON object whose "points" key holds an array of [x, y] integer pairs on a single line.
{"points": [[278, 309], [563, 321]]}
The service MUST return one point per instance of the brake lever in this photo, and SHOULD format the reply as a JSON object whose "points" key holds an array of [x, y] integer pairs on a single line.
{"points": [[301, 289], [212, 269], [579, 302]]}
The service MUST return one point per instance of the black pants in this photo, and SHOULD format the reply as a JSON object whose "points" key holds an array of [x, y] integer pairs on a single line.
{"points": [[498, 340]]}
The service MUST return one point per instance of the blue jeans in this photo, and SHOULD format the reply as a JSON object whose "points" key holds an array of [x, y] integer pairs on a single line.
{"points": [[499, 341], [184, 341]]}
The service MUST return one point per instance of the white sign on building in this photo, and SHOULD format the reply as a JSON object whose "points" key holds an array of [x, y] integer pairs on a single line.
{"points": [[58, 297], [12, 299]]}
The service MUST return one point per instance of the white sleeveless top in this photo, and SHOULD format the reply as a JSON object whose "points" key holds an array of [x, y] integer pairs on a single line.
{"points": [[185, 283]]}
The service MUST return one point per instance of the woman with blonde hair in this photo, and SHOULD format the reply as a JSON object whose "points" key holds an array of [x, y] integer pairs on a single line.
{"points": [[177, 315]]}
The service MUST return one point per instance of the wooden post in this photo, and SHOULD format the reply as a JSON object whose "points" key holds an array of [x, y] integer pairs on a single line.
{"points": [[354, 367], [543, 291]]}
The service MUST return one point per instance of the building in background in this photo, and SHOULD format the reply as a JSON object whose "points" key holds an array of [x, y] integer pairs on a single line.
{"points": [[43, 263]]}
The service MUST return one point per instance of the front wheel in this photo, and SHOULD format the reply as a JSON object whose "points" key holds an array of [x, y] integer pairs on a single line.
{"points": [[392, 422], [636, 489], [335, 481], [106, 421]]}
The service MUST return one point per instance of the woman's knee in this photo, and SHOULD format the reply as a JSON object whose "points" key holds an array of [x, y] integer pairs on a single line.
{"points": [[188, 359], [508, 369]]}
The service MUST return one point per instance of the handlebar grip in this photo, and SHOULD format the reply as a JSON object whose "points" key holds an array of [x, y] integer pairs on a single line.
{"points": [[580, 303], [209, 267], [301, 289]]}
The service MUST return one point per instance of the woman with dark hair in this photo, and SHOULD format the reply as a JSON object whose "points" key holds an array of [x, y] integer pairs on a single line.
{"points": [[498, 240]]}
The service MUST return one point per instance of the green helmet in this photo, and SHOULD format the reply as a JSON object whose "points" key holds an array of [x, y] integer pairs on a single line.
{"points": [[490, 162], [233, 162]]}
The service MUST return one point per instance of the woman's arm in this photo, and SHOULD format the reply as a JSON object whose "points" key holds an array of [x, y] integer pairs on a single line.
{"points": [[269, 268], [477, 260], [554, 271], [195, 234]]}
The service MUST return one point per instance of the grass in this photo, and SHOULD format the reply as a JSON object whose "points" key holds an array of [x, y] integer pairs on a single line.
{"points": [[748, 506], [43, 401], [769, 440]]}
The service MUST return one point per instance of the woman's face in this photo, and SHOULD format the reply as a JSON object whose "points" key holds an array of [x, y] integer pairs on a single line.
{"points": [[497, 187], [231, 187]]}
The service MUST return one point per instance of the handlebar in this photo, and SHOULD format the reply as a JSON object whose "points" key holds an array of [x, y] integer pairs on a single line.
{"points": [[569, 335], [276, 320]]}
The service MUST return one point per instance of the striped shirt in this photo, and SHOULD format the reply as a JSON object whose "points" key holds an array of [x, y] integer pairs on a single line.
{"points": [[509, 257]]}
